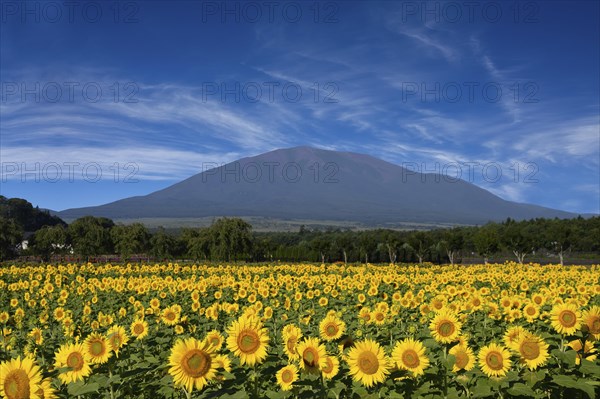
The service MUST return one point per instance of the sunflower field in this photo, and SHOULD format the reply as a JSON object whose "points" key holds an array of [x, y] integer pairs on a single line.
{"points": [[299, 331]]}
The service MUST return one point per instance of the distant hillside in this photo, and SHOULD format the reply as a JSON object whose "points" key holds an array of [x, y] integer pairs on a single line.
{"points": [[28, 217], [313, 184]]}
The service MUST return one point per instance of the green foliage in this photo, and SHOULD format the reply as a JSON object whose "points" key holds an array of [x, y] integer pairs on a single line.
{"points": [[11, 235], [91, 236]]}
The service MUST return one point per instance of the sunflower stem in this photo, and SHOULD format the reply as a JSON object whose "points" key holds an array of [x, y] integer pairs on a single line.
{"points": [[112, 394], [446, 370], [255, 382]]}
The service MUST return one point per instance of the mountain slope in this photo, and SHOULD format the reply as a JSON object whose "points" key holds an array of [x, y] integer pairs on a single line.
{"points": [[309, 183]]}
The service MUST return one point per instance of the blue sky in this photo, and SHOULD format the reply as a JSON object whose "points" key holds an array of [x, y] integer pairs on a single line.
{"points": [[149, 89]]}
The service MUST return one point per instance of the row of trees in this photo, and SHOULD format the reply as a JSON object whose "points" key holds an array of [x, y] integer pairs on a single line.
{"points": [[87, 237], [231, 239], [553, 239]]}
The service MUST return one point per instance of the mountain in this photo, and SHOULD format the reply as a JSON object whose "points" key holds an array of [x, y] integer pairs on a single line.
{"points": [[314, 184]]}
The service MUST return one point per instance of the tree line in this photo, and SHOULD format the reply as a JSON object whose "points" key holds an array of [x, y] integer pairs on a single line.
{"points": [[232, 239]]}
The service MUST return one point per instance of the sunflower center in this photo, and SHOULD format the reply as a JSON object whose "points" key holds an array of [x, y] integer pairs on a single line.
{"points": [[567, 318], [75, 361], [287, 376], [530, 311], [530, 350], [97, 348], [494, 361], [16, 385], [328, 367], [461, 360], [248, 341], [310, 357], [196, 363], [595, 326], [368, 363], [379, 316], [170, 316], [214, 341], [138, 329], [116, 340], [446, 328], [331, 329], [410, 358], [291, 344]]}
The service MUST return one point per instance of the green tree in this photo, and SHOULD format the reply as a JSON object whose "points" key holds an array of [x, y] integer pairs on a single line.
{"points": [[230, 238], [130, 239], [419, 242], [453, 242], [50, 240], [162, 244], [559, 235], [197, 243], [366, 245], [519, 237], [11, 236], [90, 236], [486, 241]]}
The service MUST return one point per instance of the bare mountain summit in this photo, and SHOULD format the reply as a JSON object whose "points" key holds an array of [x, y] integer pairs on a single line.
{"points": [[314, 184]]}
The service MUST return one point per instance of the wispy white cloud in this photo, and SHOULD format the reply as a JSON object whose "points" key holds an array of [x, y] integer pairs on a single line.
{"points": [[149, 163]]}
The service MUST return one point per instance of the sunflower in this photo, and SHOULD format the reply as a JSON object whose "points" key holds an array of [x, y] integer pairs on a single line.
{"points": [[538, 299], [169, 316], [513, 335], [533, 350], [565, 318], [72, 356], [331, 367], [287, 376], [37, 336], [331, 328], [20, 378], [223, 362], [589, 352], [248, 340], [378, 316], [192, 363], [215, 338], [591, 319], [45, 390], [465, 359], [409, 354], [312, 355], [97, 348], [117, 337], [368, 363], [365, 315], [139, 328], [531, 312], [445, 327], [291, 336], [494, 360]]}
